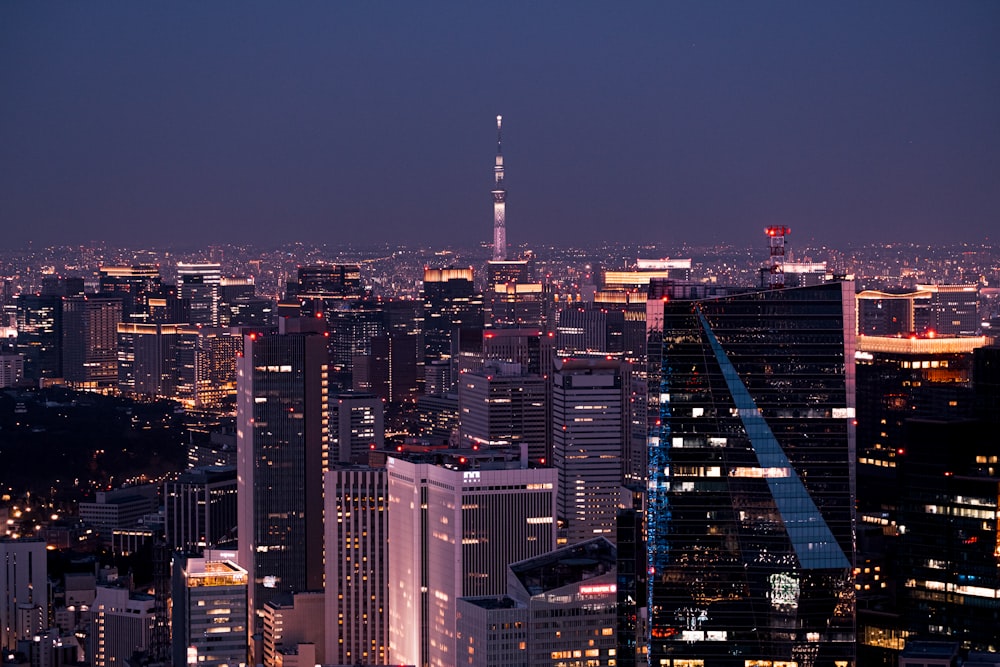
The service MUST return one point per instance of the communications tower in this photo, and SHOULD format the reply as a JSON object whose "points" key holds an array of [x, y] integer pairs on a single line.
{"points": [[776, 240], [499, 204]]}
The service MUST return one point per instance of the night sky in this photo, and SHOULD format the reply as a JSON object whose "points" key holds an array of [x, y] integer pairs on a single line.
{"points": [[367, 122]]}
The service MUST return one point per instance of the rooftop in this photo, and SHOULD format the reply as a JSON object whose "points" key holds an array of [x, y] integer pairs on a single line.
{"points": [[568, 565]]}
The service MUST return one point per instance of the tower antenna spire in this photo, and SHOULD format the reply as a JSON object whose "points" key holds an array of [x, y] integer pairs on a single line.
{"points": [[499, 203]]}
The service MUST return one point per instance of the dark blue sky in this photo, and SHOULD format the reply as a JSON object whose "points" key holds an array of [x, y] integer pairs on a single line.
{"points": [[154, 123]]}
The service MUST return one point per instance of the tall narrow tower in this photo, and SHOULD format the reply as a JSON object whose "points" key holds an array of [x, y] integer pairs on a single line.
{"points": [[776, 241], [499, 205]]}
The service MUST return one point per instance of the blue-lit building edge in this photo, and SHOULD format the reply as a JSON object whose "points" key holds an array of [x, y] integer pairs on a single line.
{"points": [[729, 590]]}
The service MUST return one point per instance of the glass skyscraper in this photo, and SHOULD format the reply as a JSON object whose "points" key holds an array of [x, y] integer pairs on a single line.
{"points": [[282, 441], [751, 494]]}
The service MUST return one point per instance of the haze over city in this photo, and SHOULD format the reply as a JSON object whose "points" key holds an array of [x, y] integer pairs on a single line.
{"points": [[499, 335], [337, 122]]}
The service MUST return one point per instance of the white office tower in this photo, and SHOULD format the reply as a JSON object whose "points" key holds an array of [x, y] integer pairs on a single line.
{"points": [[24, 595], [209, 612], [456, 521], [357, 584], [588, 439], [122, 624]]}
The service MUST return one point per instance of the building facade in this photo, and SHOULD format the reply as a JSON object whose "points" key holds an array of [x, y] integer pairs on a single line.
{"points": [[24, 595], [209, 613], [282, 440], [457, 520], [750, 520], [357, 565], [589, 428]]}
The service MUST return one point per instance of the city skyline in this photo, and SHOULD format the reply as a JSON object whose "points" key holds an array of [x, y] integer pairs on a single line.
{"points": [[362, 124]]}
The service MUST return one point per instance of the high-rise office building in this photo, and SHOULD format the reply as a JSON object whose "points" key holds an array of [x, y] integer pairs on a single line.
{"points": [[356, 426], [200, 508], [592, 331], [949, 583], [90, 340], [352, 327], [249, 311], [39, 335], [632, 573], [24, 590], [209, 612], [438, 416], [200, 283], [944, 310], [511, 297], [119, 509], [135, 284], [235, 287], [900, 379], [954, 309], [390, 370], [11, 370], [62, 286], [589, 432], [290, 620], [450, 302], [54, 647], [121, 624], [457, 520], [750, 520], [357, 565], [502, 406], [317, 285], [282, 440], [157, 359], [514, 305]]}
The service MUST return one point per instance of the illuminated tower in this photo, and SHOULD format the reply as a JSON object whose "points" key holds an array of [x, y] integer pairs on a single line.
{"points": [[499, 205]]}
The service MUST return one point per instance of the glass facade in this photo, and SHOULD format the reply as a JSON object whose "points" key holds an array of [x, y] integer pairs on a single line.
{"points": [[282, 440], [751, 493]]}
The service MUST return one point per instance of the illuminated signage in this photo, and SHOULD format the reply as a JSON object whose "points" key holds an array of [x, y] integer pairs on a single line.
{"points": [[598, 589]]}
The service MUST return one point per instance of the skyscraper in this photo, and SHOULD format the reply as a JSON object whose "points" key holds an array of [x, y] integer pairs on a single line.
{"points": [[282, 452], [751, 491], [317, 286], [357, 565], [200, 507], [201, 284], [121, 624], [135, 284], [90, 340], [209, 612], [450, 302], [457, 520], [39, 335], [356, 425], [352, 327], [502, 406], [589, 428]]}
